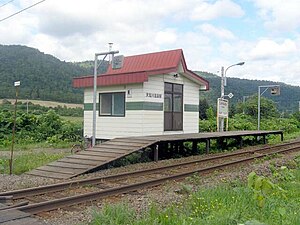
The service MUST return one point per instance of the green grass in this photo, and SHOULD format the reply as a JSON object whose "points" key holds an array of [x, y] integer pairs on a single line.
{"points": [[37, 145], [73, 119], [224, 204], [28, 161]]}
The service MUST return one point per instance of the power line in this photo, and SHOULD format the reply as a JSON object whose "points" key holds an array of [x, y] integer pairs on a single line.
{"points": [[21, 10], [6, 3]]}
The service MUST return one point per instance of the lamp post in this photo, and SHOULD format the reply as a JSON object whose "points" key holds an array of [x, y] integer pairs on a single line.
{"points": [[274, 91], [223, 84], [105, 54]]}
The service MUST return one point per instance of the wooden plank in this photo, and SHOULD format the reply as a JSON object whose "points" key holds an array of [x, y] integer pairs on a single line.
{"points": [[111, 145], [8, 215], [41, 173], [90, 157], [98, 153], [107, 147], [133, 140], [128, 143], [115, 151], [56, 169], [80, 161], [24, 221], [69, 165]]}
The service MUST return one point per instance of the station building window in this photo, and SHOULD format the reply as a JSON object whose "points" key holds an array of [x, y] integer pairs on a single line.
{"points": [[112, 104]]}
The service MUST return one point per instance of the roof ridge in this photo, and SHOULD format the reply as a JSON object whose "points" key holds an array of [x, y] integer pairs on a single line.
{"points": [[152, 53]]}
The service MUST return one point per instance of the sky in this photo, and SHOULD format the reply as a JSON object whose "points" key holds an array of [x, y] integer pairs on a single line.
{"points": [[265, 34]]}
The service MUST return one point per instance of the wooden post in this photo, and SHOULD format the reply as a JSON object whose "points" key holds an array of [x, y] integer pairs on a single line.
{"points": [[264, 139], [195, 147], [240, 141], [156, 153], [281, 136], [207, 146], [181, 146]]}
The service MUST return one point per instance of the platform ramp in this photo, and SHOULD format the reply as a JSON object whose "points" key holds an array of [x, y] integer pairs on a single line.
{"points": [[92, 158]]}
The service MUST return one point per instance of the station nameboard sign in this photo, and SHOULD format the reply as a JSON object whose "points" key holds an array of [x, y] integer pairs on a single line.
{"points": [[222, 108]]}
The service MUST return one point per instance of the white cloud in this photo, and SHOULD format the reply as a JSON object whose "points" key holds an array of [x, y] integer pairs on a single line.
{"points": [[75, 30], [280, 15], [221, 8], [166, 37], [218, 32], [269, 49]]}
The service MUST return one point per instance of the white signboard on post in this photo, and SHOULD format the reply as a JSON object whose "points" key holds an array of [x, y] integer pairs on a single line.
{"points": [[222, 108]]}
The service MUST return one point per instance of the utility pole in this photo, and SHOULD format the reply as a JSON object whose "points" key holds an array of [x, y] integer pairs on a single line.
{"points": [[16, 84], [221, 126]]}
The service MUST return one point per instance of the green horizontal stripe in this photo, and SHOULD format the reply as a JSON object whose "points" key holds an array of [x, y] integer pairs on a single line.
{"points": [[191, 108], [89, 106], [152, 106]]}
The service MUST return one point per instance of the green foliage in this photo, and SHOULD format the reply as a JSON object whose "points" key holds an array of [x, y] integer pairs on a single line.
{"points": [[221, 205], [261, 187], [203, 107], [242, 122], [114, 215], [247, 122], [283, 173], [209, 124], [267, 107], [31, 128]]}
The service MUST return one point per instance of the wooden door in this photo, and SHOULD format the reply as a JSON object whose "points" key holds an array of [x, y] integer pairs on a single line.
{"points": [[173, 107]]}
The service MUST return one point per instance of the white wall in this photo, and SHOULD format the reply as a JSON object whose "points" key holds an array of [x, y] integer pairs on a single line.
{"points": [[142, 122]]}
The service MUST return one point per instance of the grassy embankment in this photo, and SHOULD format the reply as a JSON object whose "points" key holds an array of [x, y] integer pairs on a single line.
{"points": [[263, 201]]}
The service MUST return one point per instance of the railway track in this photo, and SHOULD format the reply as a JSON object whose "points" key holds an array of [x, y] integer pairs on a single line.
{"points": [[51, 197]]}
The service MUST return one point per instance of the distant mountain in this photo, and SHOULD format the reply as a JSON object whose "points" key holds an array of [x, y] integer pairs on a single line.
{"points": [[288, 100], [42, 76]]}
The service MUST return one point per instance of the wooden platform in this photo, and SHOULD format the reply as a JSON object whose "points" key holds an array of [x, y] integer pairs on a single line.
{"points": [[93, 158], [16, 217]]}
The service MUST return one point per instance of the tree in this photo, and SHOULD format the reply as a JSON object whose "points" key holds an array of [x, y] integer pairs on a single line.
{"points": [[203, 107], [267, 107]]}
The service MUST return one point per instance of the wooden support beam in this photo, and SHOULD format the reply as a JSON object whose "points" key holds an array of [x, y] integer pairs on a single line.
{"points": [[240, 141], [207, 145], [264, 139], [195, 147], [281, 136], [181, 146], [156, 153]]}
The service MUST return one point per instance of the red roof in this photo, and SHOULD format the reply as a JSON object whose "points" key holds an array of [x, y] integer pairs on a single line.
{"points": [[137, 68]]}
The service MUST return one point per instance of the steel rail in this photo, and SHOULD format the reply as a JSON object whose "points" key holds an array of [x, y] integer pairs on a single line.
{"points": [[92, 181], [77, 199]]}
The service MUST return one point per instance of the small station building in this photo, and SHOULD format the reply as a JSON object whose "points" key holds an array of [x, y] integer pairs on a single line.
{"points": [[152, 94]]}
